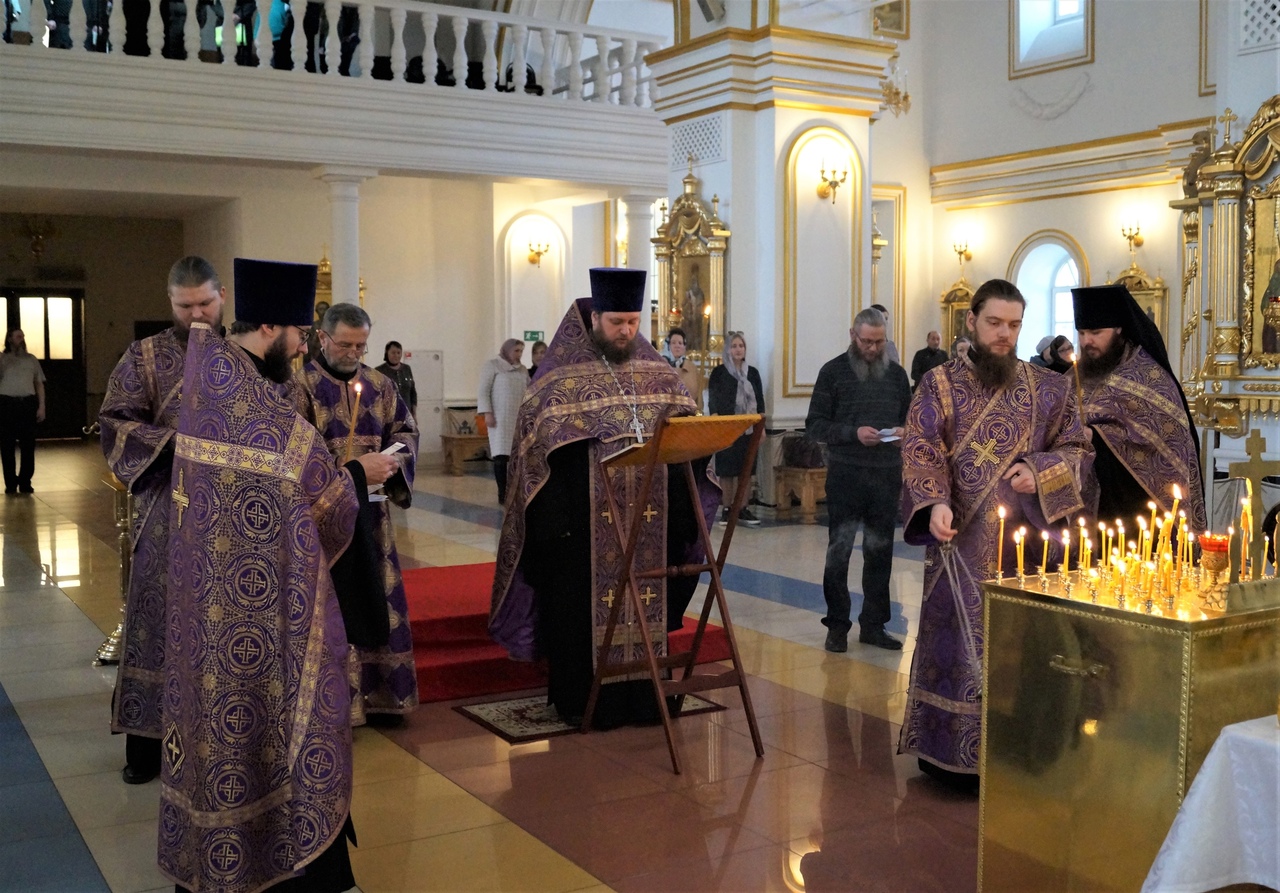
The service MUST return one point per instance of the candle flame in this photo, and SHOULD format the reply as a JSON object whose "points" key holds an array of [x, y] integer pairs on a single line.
{"points": [[1044, 535], [1000, 512], [1177, 492]]}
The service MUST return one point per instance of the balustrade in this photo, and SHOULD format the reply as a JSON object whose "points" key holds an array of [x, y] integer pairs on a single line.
{"points": [[458, 48]]}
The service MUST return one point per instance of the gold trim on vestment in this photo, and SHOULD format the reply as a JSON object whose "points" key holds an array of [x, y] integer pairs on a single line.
{"points": [[251, 459]]}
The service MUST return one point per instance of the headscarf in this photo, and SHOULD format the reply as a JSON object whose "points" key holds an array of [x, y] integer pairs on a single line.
{"points": [[744, 402], [506, 352]]}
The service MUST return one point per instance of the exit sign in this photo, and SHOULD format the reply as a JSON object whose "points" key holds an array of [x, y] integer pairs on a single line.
{"points": [[532, 334]]}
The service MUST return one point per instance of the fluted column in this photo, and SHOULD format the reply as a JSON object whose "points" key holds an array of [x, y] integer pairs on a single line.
{"points": [[344, 206], [639, 213], [1225, 276]]}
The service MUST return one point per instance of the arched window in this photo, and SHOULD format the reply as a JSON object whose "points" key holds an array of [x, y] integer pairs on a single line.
{"points": [[1048, 34], [1046, 266]]}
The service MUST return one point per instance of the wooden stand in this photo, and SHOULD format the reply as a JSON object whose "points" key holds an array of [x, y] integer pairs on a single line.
{"points": [[806, 484], [460, 447], [678, 442]]}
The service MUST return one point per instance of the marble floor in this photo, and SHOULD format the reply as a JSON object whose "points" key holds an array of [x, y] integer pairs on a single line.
{"points": [[443, 805]]}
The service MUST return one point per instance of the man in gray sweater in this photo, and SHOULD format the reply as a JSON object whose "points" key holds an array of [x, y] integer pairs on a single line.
{"points": [[858, 408]]}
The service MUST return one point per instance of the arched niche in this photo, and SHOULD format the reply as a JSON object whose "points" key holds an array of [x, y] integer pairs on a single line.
{"points": [[822, 253], [532, 294]]}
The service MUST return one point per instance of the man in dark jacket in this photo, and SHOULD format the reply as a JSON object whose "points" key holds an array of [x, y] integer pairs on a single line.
{"points": [[927, 357], [858, 408]]}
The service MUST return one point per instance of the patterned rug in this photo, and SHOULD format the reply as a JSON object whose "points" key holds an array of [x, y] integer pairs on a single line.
{"points": [[517, 720]]}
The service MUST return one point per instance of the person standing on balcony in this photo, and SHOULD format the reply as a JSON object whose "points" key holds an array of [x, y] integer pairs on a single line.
{"points": [[138, 417], [358, 410], [21, 409]]}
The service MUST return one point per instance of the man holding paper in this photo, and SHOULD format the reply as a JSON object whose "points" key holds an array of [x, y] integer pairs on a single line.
{"points": [[358, 410], [858, 407]]}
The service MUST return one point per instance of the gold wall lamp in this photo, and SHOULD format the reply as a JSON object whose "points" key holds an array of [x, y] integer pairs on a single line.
{"points": [[828, 185], [536, 250], [893, 90], [962, 254], [1133, 234]]}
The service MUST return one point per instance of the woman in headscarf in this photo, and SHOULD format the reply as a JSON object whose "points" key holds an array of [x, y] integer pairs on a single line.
{"points": [[735, 389], [502, 384], [536, 353]]}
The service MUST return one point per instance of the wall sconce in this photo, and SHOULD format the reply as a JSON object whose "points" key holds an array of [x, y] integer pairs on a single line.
{"points": [[536, 251], [38, 231], [894, 90], [827, 188], [962, 254], [1133, 234]]}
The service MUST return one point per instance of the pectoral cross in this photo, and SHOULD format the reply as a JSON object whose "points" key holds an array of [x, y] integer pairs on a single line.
{"points": [[649, 514], [639, 429], [179, 496], [986, 452]]}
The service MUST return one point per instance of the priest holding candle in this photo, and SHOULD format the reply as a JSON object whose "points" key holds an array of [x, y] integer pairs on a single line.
{"points": [[983, 432], [359, 410], [1142, 430]]}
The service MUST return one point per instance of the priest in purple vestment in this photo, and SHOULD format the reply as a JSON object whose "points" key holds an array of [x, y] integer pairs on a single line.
{"points": [[137, 418], [982, 432], [359, 410], [256, 752], [599, 388], [1143, 433]]}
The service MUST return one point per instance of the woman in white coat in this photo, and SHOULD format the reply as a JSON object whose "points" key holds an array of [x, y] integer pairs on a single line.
{"points": [[502, 384]]}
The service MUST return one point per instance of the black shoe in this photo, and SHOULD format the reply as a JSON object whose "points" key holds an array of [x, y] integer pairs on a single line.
{"points": [[837, 641], [26, 489], [875, 635], [138, 776], [384, 720], [10, 491], [746, 517], [723, 520]]}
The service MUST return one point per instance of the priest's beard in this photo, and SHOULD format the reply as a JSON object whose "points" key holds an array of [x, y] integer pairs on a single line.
{"points": [[612, 351], [181, 331], [866, 370], [1093, 368], [993, 371], [277, 364]]}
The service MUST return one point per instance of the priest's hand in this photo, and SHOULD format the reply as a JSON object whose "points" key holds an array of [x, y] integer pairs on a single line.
{"points": [[378, 467], [940, 518], [1021, 478]]}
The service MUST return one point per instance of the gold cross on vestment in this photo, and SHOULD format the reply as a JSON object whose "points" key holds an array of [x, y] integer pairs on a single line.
{"points": [[649, 514], [608, 599], [179, 496], [986, 452], [648, 596], [607, 515]]}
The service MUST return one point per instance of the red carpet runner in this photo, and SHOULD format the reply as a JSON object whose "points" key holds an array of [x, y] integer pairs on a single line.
{"points": [[449, 611]]}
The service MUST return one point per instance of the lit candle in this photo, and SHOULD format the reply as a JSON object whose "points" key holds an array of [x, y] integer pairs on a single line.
{"points": [[1066, 550], [1144, 541], [1018, 537], [1120, 535], [1044, 556], [1152, 505], [355, 411], [1084, 538], [1000, 545], [1177, 497]]}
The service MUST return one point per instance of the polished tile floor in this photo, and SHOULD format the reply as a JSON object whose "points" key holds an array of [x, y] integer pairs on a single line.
{"points": [[441, 804]]}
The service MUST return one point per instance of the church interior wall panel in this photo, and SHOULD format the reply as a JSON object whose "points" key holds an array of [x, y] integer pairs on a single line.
{"points": [[531, 294], [1246, 77], [1145, 70], [125, 264]]}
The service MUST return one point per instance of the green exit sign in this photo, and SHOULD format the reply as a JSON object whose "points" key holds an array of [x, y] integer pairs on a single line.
{"points": [[532, 334]]}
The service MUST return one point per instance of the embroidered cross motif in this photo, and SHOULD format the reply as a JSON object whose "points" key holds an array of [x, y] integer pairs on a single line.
{"points": [[649, 514], [608, 599], [986, 452], [648, 596], [179, 496]]}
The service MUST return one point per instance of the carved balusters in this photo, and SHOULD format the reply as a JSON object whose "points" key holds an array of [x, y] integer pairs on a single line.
{"points": [[332, 43], [628, 95], [459, 50], [601, 93], [519, 38], [398, 18], [429, 58], [116, 28], [647, 87], [155, 29], [548, 74], [298, 39], [228, 31], [575, 65], [261, 38], [489, 29], [190, 31], [367, 13]]}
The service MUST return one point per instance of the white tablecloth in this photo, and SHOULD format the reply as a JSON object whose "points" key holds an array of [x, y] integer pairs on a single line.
{"points": [[1227, 830]]}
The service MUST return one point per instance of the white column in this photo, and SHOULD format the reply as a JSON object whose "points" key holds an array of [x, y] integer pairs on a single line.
{"points": [[344, 205], [228, 31], [547, 76], [155, 29], [459, 51], [366, 40], [332, 45], [639, 213], [602, 69], [298, 42], [399, 16], [575, 65], [628, 94], [190, 31], [430, 60], [489, 29], [519, 78]]}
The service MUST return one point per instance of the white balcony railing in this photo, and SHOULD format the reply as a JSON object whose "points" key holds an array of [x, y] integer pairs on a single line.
{"points": [[440, 47]]}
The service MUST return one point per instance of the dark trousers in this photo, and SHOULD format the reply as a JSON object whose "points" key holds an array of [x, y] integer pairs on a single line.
{"points": [[18, 425], [867, 497], [500, 475], [142, 754]]}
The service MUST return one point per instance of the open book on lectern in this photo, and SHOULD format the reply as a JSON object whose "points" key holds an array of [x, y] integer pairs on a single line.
{"points": [[686, 438]]}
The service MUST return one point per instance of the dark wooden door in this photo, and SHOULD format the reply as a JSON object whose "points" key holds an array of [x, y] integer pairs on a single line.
{"points": [[53, 322]]}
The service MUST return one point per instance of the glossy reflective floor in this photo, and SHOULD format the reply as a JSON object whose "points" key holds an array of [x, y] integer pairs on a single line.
{"points": [[443, 805]]}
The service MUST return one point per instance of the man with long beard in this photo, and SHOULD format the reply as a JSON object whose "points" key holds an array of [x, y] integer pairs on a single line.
{"points": [[256, 754], [983, 433], [858, 397], [1143, 433], [138, 416], [600, 388], [359, 410]]}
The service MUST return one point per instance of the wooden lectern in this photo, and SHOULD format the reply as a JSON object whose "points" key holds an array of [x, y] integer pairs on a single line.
{"points": [[677, 441]]}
